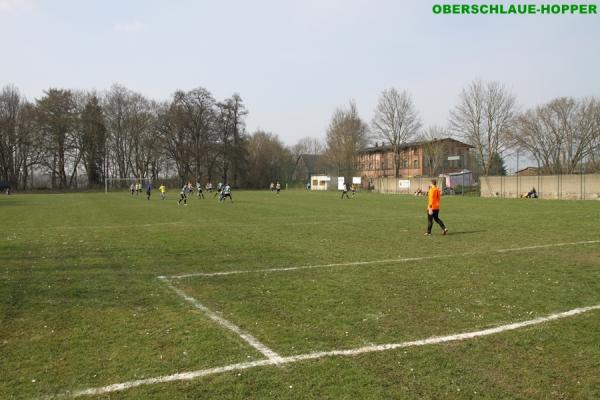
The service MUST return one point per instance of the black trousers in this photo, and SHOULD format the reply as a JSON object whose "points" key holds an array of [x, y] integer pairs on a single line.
{"points": [[434, 217]]}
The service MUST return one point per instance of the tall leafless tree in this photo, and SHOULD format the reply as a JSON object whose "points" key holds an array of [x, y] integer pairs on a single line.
{"points": [[484, 118], [308, 145], [346, 135], [561, 135], [434, 148], [116, 111], [396, 122]]}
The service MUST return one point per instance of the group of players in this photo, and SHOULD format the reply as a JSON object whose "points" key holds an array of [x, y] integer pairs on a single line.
{"points": [[223, 191]]}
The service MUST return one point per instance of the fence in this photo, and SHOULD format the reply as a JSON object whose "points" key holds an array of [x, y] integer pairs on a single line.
{"points": [[566, 187], [401, 186]]}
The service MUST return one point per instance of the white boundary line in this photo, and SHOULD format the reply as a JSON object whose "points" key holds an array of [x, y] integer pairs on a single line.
{"points": [[184, 223], [391, 260], [187, 376], [251, 340]]}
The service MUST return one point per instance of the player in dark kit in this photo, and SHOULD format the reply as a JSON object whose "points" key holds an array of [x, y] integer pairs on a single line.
{"points": [[345, 190]]}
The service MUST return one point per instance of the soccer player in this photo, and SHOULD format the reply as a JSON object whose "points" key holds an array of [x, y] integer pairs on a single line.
{"points": [[209, 187], [149, 190], [345, 190], [433, 208], [225, 192], [183, 195], [199, 189], [271, 186], [278, 187], [219, 188], [353, 187], [163, 191], [132, 188]]}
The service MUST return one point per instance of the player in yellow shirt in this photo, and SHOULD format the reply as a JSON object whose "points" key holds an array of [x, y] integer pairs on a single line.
{"points": [[163, 191]]}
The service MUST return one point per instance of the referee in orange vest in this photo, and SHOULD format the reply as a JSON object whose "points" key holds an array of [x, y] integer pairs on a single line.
{"points": [[433, 208]]}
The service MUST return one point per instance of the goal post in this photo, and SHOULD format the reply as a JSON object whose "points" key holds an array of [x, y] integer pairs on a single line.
{"points": [[120, 184]]}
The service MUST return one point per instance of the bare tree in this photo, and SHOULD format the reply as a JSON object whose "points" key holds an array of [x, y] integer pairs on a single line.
{"points": [[346, 135], [19, 149], [116, 112], [308, 145], [561, 134], [434, 148], [593, 160], [232, 138], [396, 122], [484, 117]]}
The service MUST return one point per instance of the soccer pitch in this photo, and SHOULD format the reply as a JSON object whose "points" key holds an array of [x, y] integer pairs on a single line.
{"points": [[297, 296]]}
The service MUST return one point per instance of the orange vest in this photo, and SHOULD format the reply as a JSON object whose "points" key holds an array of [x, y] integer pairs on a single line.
{"points": [[434, 198]]}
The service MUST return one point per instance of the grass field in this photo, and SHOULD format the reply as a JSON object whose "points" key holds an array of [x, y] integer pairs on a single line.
{"points": [[82, 305]]}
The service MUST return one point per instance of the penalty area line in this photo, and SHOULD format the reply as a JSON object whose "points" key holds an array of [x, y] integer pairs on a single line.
{"points": [[248, 338], [388, 261], [187, 376]]}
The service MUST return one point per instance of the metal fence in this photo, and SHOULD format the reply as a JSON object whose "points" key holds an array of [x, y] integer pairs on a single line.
{"points": [[402, 186]]}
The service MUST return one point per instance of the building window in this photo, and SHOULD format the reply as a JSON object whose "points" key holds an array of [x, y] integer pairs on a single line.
{"points": [[415, 164]]}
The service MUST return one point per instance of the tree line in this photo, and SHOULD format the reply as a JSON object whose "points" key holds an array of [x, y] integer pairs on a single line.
{"points": [[192, 136], [122, 134], [561, 136]]}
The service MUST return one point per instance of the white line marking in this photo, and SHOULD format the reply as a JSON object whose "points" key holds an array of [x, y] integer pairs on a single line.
{"points": [[346, 264], [200, 222], [251, 340], [186, 376], [543, 246], [391, 260], [104, 226]]}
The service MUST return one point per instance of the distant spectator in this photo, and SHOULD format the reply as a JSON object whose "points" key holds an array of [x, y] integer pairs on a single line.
{"points": [[532, 194]]}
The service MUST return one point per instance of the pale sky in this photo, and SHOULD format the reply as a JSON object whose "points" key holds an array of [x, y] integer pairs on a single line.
{"points": [[294, 62]]}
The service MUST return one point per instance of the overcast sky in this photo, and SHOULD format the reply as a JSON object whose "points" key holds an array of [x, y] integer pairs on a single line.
{"points": [[294, 62]]}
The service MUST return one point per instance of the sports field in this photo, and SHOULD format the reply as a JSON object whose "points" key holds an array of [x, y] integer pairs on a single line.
{"points": [[297, 296]]}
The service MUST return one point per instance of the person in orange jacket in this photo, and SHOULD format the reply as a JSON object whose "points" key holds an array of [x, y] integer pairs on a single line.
{"points": [[433, 208]]}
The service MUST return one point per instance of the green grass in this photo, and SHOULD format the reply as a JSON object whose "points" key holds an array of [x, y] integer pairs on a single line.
{"points": [[81, 305]]}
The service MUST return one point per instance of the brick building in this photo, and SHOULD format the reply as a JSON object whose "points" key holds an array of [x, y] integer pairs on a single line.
{"points": [[416, 159]]}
